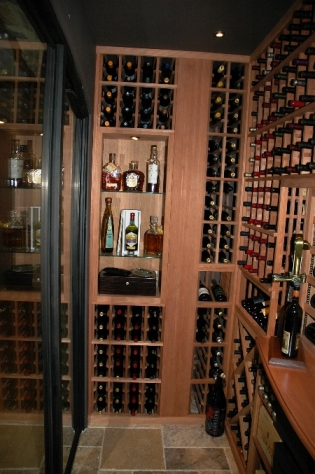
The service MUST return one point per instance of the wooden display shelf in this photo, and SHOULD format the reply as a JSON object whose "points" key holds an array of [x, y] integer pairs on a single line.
{"points": [[294, 390]]}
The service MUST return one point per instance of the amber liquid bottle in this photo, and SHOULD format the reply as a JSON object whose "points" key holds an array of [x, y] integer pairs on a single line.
{"points": [[107, 230], [153, 239], [133, 178]]}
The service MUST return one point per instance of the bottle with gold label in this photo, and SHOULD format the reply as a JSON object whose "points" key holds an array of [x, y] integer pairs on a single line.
{"points": [[107, 230], [131, 236], [133, 179], [111, 176]]}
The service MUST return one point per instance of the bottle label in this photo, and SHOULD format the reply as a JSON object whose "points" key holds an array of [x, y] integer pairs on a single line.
{"points": [[203, 291], [285, 342], [15, 168], [132, 180], [286, 338], [131, 241], [153, 173], [109, 234], [215, 418]]}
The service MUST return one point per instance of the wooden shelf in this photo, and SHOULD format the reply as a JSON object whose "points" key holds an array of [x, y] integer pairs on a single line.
{"points": [[294, 390]]}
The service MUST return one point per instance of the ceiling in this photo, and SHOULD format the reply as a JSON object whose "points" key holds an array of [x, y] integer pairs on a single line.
{"points": [[183, 24]]}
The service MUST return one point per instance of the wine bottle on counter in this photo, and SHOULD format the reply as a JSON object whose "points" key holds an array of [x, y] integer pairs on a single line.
{"points": [[216, 408], [292, 326]]}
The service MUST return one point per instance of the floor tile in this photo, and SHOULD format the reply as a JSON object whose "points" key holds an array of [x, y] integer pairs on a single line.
{"points": [[92, 437], [87, 460], [195, 459], [185, 436], [231, 461], [21, 447], [132, 449]]}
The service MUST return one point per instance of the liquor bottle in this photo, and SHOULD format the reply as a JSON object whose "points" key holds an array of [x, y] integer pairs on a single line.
{"points": [[153, 239], [292, 326], [203, 293], [107, 229], [133, 179], [218, 292], [131, 236], [153, 171], [15, 166], [111, 175], [216, 408]]}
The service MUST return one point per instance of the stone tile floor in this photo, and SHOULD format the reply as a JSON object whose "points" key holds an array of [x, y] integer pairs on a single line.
{"points": [[163, 448], [155, 449]]}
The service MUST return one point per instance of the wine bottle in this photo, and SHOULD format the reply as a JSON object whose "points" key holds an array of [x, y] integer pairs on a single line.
{"points": [[147, 71], [163, 122], [216, 408], [292, 326], [130, 71], [218, 292], [204, 293], [166, 71]]}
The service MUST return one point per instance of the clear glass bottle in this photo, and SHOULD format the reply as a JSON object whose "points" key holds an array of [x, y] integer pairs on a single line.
{"points": [[153, 239], [111, 176], [133, 179], [15, 166], [107, 230], [131, 235], [153, 171]]}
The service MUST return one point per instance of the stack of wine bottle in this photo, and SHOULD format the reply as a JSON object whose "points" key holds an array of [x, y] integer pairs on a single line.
{"points": [[260, 221], [132, 105], [21, 355], [21, 101], [128, 324], [295, 33], [129, 398]]}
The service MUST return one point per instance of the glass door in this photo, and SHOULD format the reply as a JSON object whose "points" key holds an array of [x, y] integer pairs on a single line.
{"points": [[22, 87], [42, 196]]}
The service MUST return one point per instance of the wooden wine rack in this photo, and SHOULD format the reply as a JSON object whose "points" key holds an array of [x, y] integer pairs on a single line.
{"points": [[278, 200]]}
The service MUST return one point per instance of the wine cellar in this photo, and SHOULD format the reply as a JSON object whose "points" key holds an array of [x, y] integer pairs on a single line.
{"points": [[234, 208]]}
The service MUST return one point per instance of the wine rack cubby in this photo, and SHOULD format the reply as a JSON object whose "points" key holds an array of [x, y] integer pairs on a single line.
{"points": [[21, 360], [137, 92], [128, 351]]}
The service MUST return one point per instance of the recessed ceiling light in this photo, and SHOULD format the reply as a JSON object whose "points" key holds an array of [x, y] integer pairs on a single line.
{"points": [[219, 34], [135, 138]]}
